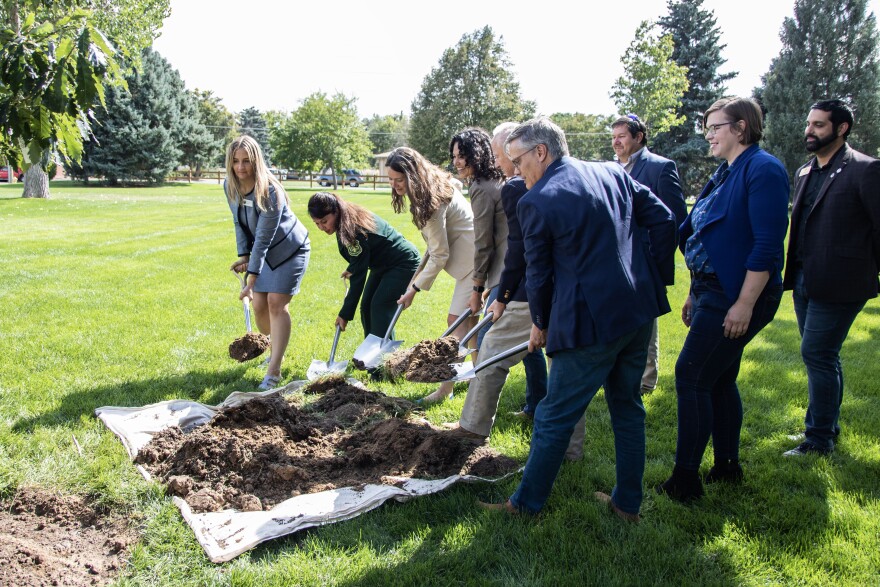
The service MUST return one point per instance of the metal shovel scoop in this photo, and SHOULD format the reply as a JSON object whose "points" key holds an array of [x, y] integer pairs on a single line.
{"points": [[319, 368], [252, 344], [463, 349], [369, 354], [465, 371]]}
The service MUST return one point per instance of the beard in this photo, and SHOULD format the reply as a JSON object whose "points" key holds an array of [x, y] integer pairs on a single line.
{"points": [[818, 143]]}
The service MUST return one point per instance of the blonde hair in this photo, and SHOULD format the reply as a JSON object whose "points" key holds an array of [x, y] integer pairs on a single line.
{"points": [[262, 178], [427, 186]]}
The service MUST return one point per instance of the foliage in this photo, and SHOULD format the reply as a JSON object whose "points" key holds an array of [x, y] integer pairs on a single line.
{"points": [[146, 130], [652, 84], [322, 132], [387, 132], [219, 121], [251, 122], [473, 85], [829, 50], [588, 135], [102, 342], [695, 35]]}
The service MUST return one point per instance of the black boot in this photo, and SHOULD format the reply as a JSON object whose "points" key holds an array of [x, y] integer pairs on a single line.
{"points": [[724, 471], [684, 486]]}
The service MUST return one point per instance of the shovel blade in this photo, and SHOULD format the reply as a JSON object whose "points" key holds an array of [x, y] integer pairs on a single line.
{"points": [[369, 351], [463, 371], [320, 368]]}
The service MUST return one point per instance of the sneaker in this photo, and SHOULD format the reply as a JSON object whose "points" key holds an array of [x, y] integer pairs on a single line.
{"points": [[269, 382], [805, 448]]}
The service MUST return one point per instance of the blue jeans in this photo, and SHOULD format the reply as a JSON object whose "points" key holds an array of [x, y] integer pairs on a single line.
{"points": [[575, 377], [709, 403], [823, 326]]}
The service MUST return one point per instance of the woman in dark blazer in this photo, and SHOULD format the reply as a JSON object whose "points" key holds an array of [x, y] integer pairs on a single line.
{"points": [[273, 246], [733, 245]]}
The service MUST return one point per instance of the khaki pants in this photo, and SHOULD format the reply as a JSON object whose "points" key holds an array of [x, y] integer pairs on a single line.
{"points": [[484, 391], [652, 368]]}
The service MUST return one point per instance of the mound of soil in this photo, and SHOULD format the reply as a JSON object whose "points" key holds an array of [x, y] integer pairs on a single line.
{"points": [[250, 346], [427, 362], [49, 539], [333, 434]]}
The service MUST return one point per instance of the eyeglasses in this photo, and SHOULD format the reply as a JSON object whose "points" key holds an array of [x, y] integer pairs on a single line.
{"points": [[517, 161], [713, 128]]}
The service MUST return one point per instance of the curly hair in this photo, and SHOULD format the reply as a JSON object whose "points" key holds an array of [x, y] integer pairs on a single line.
{"points": [[427, 186], [475, 145], [351, 219]]}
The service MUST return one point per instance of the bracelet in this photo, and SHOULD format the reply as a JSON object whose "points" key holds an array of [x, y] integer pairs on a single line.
{"points": [[415, 287], [479, 288]]}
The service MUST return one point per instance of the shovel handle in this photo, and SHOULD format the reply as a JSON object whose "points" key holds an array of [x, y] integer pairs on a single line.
{"points": [[473, 331], [464, 316], [523, 346], [393, 322], [335, 342], [247, 313]]}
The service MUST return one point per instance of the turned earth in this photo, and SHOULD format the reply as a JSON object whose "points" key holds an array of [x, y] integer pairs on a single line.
{"points": [[427, 362], [250, 346]]}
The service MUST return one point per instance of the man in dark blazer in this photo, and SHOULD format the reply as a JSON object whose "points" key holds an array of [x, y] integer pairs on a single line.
{"points": [[594, 291], [832, 262], [629, 139]]}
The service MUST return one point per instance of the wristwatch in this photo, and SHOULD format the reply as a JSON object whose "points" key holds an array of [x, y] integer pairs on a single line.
{"points": [[479, 288]]}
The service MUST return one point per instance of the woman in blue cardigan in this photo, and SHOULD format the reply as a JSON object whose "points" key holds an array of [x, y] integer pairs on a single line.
{"points": [[733, 244]]}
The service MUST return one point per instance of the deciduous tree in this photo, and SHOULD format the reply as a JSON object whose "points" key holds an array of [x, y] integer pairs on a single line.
{"points": [[588, 135], [387, 132]]}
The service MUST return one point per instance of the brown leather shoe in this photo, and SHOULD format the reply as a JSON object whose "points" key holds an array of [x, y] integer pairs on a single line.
{"points": [[499, 507], [457, 431], [606, 499]]}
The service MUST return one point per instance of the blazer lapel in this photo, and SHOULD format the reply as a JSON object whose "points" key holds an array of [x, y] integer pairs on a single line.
{"points": [[637, 169], [844, 161]]}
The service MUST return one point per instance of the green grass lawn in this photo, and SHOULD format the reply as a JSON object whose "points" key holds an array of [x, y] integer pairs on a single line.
{"points": [[123, 297]]}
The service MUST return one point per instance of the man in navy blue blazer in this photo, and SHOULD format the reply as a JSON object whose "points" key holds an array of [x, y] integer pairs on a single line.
{"points": [[629, 139], [594, 290]]}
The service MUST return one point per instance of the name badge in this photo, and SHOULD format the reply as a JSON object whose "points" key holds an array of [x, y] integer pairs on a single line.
{"points": [[248, 204], [804, 171]]}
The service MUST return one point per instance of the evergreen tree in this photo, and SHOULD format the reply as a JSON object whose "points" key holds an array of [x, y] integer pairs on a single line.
{"points": [[251, 122], [829, 50], [588, 135], [696, 36], [387, 132], [471, 86]]}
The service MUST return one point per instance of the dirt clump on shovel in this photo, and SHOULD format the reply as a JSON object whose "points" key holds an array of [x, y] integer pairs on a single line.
{"points": [[328, 435], [427, 362], [250, 346]]}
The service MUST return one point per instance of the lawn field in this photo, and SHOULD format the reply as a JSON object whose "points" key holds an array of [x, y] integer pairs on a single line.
{"points": [[123, 296]]}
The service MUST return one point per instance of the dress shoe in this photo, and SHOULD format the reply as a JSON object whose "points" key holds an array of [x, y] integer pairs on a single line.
{"points": [[506, 507], [724, 472], [456, 430], [606, 499], [684, 486], [807, 448]]}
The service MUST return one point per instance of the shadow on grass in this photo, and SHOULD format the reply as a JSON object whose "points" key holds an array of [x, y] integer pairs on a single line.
{"points": [[207, 387]]}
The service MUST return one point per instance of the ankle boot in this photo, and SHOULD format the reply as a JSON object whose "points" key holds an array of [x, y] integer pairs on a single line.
{"points": [[684, 486], [724, 471]]}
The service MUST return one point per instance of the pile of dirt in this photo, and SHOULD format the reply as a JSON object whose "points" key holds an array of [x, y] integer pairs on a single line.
{"points": [[250, 346], [50, 539], [333, 434], [427, 362]]}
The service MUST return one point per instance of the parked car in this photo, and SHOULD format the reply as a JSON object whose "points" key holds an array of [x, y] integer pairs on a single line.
{"points": [[351, 177], [18, 174], [294, 174]]}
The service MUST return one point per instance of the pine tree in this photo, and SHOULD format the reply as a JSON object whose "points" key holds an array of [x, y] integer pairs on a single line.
{"points": [[829, 50], [251, 122], [471, 86], [696, 36]]}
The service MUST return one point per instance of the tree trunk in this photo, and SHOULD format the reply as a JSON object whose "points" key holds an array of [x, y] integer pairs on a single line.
{"points": [[36, 183]]}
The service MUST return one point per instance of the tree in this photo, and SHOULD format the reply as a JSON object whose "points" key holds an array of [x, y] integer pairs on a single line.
{"points": [[387, 132], [829, 50], [144, 131], [322, 132], [252, 123], [588, 135], [218, 120], [471, 86], [197, 144], [652, 84], [54, 63], [695, 36]]}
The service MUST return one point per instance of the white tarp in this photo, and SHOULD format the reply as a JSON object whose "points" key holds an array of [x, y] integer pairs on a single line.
{"points": [[228, 533]]}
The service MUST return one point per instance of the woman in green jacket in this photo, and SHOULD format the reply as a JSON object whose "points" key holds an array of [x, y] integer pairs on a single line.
{"points": [[371, 246]]}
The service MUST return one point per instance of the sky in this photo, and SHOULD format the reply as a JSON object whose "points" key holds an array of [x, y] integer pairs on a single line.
{"points": [[273, 54]]}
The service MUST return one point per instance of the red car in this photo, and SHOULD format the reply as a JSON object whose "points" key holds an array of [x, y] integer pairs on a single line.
{"points": [[4, 174]]}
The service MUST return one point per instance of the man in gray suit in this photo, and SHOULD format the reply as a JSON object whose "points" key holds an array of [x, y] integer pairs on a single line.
{"points": [[629, 139]]}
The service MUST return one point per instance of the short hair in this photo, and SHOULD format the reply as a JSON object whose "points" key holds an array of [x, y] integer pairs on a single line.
{"points": [[634, 125], [840, 112], [741, 109], [540, 131], [475, 145], [505, 128]]}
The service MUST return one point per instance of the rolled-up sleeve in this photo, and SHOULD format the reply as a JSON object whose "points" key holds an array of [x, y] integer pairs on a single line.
{"points": [[437, 239]]}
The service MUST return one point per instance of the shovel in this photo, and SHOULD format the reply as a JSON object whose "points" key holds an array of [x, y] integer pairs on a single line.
{"points": [[319, 368], [369, 354], [465, 371], [463, 349], [251, 345]]}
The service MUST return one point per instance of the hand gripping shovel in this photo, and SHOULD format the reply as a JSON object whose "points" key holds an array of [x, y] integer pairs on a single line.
{"points": [[463, 349], [464, 371], [369, 354], [252, 344], [319, 368]]}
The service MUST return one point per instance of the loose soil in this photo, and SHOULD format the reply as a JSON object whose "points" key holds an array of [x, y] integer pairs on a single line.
{"points": [[50, 539], [427, 362], [329, 435], [250, 346]]}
